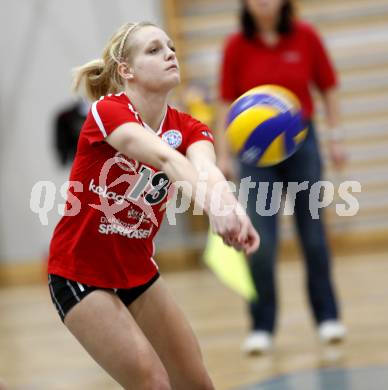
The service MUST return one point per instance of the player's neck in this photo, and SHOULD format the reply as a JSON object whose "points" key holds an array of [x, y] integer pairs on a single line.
{"points": [[151, 107]]}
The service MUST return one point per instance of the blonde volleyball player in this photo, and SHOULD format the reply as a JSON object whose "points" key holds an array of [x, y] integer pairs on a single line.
{"points": [[102, 277]]}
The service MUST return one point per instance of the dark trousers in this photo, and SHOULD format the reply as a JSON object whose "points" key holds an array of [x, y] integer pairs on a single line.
{"points": [[304, 165]]}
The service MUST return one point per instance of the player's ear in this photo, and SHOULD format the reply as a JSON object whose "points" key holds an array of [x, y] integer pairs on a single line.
{"points": [[125, 71]]}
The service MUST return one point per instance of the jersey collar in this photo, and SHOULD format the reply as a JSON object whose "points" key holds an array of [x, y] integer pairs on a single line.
{"points": [[146, 126], [159, 131]]}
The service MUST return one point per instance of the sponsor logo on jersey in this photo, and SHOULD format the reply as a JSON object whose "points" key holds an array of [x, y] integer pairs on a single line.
{"points": [[103, 191], [129, 233], [138, 215], [173, 138], [116, 226]]}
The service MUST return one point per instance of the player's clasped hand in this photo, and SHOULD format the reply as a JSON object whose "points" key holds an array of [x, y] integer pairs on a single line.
{"points": [[236, 230]]}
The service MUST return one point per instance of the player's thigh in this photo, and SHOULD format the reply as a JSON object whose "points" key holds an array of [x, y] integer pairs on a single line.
{"points": [[106, 329], [168, 330]]}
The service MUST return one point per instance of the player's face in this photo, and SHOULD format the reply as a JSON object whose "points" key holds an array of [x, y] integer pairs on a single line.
{"points": [[264, 8], [154, 62]]}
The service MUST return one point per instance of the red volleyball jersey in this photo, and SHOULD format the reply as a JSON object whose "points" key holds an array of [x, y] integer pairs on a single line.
{"points": [[298, 61], [106, 236]]}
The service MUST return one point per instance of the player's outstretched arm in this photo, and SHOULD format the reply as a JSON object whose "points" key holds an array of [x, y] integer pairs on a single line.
{"points": [[138, 143], [202, 155]]}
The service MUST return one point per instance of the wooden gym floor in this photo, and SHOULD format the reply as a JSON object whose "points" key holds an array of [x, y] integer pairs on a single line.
{"points": [[37, 352]]}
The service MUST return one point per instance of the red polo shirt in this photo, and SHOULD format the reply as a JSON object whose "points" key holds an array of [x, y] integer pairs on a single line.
{"points": [[297, 62]]}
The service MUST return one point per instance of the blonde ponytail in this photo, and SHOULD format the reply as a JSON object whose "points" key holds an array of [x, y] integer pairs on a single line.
{"points": [[92, 79], [100, 77]]}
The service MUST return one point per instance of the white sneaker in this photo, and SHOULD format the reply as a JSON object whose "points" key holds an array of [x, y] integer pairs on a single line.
{"points": [[331, 331], [258, 342]]}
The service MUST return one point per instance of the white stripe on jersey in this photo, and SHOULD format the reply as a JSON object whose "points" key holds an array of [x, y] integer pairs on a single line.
{"points": [[157, 267], [153, 253], [162, 122], [134, 112], [98, 119]]}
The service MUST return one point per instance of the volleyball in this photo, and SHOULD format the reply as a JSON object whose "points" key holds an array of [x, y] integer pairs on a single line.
{"points": [[264, 126]]}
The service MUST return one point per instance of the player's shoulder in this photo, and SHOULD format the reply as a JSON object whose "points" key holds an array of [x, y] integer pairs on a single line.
{"points": [[181, 118], [113, 99], [113, 110], [187, 124], [113, 104]]}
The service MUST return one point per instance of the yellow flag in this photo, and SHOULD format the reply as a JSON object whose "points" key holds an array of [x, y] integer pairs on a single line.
{"points": [[229, 266]]}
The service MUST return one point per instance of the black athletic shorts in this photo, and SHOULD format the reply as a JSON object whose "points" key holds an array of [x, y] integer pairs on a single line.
{"points": [[67, 293]]}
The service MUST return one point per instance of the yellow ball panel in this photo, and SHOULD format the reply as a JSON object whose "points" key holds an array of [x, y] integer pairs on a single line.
{"points": [[274, 153], [241, 128], [300, 137]]}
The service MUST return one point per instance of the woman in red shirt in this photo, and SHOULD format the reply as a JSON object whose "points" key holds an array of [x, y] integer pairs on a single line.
{"points": [[275, 48], [103, 279]]}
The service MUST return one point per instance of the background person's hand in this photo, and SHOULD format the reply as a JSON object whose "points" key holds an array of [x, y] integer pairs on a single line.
{"points": [[337, 153]]}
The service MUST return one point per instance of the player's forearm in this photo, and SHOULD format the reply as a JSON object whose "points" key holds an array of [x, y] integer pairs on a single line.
{"points": [[213, 186], [219, 193], [218, 184], [182, 173]]}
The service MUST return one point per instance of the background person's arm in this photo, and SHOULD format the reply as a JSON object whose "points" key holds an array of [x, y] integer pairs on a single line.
{"points": [[335, 137]]}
